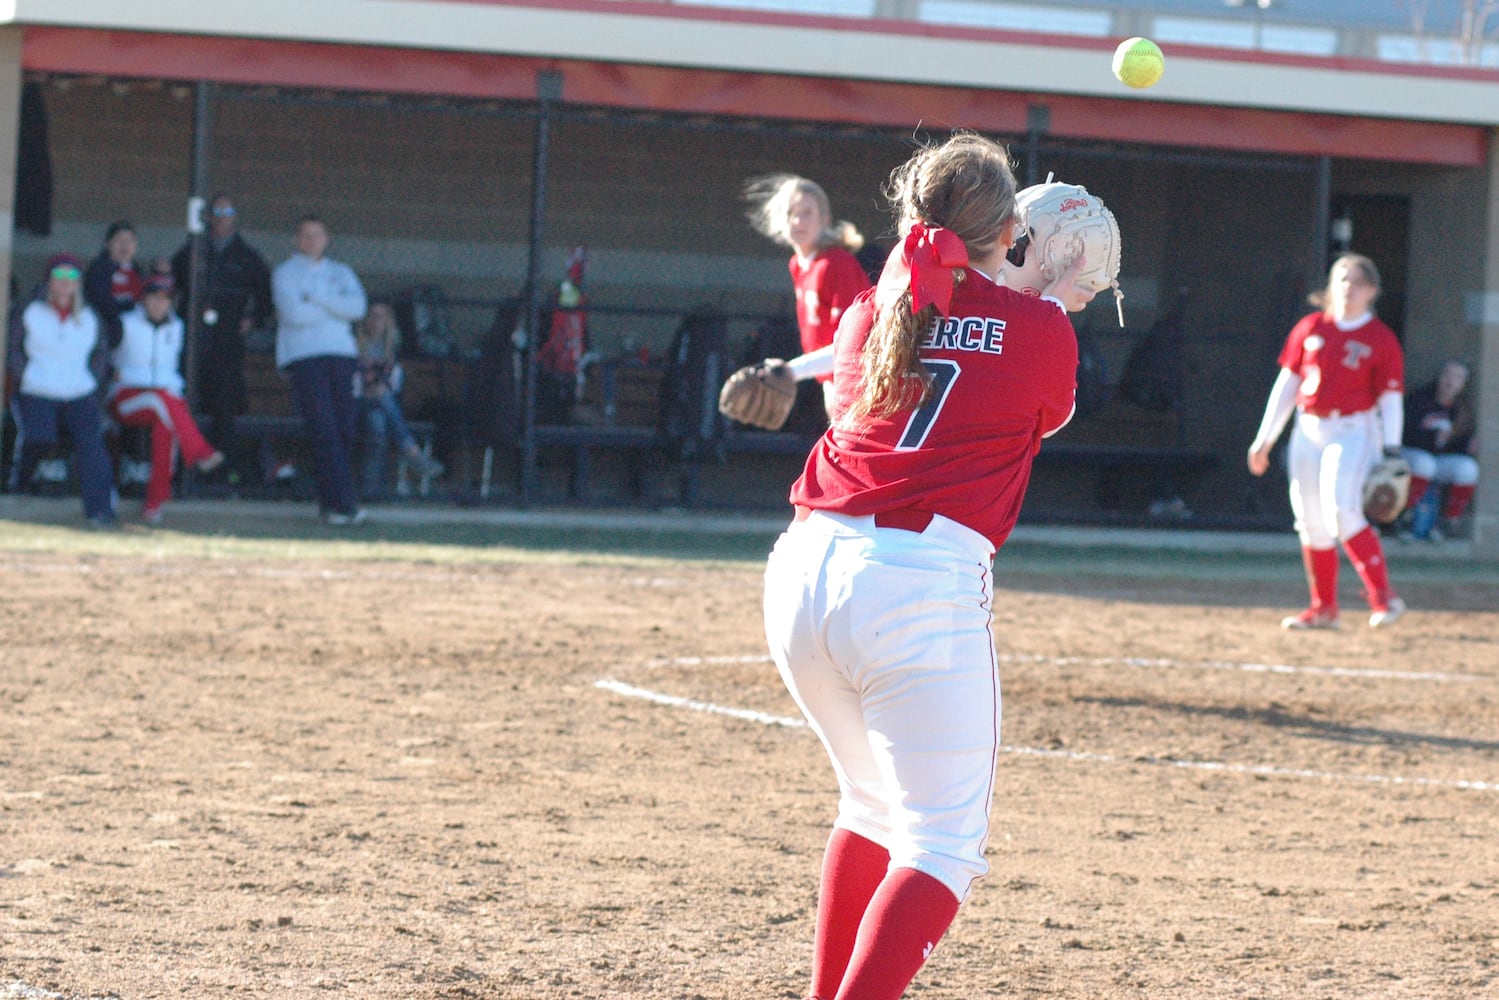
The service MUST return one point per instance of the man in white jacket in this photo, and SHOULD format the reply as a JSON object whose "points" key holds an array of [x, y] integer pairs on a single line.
{"points": [[318, 301]]}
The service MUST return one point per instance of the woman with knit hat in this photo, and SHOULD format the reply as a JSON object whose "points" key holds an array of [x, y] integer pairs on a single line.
{"points": [[57, 339]]}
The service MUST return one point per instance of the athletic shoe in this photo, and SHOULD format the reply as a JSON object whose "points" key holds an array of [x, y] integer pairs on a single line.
{"points": [[107, 521], [133, 473], [1388, 615], [211, 462], [1323, 618], [152, 515], [51, 470], [340, 519]]}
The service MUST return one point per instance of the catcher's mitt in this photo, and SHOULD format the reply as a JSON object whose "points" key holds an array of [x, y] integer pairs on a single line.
{"points": [[1062, 222], [759, 395], [1386, 490]]}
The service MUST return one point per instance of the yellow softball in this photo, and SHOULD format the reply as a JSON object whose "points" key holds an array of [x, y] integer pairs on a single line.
{"points": [[1138, 63]]}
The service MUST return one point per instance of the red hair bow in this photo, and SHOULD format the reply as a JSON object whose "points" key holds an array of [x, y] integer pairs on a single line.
{"points": [[924, 263]]}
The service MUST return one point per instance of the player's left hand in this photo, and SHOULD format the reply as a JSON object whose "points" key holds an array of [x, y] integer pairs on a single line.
{"points": [[759, 395], [1065, 288]]}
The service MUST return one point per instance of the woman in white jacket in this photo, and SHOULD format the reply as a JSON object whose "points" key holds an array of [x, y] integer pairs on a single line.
{"points": [[58, 336], [148, 391], [318, 301]]}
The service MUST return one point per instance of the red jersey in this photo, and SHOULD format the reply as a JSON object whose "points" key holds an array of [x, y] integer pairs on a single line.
{"points": [[1004, 367], [1342, 371], [825, 286]]}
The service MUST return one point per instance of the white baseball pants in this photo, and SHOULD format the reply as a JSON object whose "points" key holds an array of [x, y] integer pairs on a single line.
{"points": [[883, 638], [1328, 460]]}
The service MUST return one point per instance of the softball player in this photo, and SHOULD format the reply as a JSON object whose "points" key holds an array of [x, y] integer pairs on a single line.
{"points": [[878, 595], [824, 271], [1342, 372]]}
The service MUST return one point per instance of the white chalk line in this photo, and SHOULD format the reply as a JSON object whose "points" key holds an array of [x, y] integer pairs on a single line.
{"points": [[1258, 770], [674, 701], [16, 989], [1140, 662]]}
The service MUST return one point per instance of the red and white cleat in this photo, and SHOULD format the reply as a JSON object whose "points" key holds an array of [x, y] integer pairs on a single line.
{"points": [[1388, 615], [1324, 618]]}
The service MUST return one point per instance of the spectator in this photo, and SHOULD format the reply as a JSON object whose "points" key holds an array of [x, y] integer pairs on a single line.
{"points": [[317, 302], [148, 391], [234, 298], [56, 341], [112, 285], [378, 382], [1442, 450]]}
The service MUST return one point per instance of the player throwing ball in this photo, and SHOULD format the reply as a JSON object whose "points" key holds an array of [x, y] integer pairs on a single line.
{"points": [[877, 596], [1342, 373]]}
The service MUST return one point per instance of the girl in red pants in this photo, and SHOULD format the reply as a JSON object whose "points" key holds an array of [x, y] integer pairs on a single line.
{"points": [[148, 391]]}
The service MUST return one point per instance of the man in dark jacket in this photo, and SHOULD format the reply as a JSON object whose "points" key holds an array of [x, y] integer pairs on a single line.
{"points": [[233, 299]]}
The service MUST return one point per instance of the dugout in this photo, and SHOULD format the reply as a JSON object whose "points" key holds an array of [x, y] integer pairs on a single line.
{"points": [[477, 173]]}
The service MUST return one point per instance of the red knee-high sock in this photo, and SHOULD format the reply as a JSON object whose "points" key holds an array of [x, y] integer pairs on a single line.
{"points": [[1321, 577], [1457, 499], [906, 918], [1367, 555], [852, 869], [1417, 490]]}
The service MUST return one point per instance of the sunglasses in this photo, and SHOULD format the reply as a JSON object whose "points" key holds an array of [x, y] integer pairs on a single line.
{"points": [[224, 212], [1016, 253], [65, 273]]}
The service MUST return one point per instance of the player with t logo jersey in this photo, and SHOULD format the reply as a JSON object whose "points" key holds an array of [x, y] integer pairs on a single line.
{"points": [[878, 595], [1343, 373]]}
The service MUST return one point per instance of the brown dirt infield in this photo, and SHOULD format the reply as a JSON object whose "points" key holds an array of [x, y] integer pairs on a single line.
{"points": [[288, 774]]}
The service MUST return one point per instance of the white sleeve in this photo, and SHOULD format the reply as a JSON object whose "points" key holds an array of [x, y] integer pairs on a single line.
{"points": [[1392, 418], [813, 365], [1278, 408], [1070, 414]]}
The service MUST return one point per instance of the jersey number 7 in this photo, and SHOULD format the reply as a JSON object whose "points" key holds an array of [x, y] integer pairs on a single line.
{"points": [[944, 375]]}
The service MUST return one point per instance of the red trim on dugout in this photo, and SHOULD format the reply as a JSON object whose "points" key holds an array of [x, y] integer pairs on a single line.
{"points": [[696, 91]]}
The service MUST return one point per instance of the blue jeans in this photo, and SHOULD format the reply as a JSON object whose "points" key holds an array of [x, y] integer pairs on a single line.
{"points": [[324, 390], [38, 419], [384, 424]]}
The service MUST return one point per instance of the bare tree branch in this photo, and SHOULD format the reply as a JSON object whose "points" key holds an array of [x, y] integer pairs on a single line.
{"points": [[1471, 33]]}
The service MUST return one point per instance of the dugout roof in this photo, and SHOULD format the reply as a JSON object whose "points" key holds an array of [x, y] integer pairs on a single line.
{"points": [[660, 57]]}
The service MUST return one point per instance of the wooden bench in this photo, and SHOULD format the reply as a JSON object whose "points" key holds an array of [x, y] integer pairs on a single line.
{"points": [[273, 415], [644, 444], [648, 451], [617, 413], [271, 429]]}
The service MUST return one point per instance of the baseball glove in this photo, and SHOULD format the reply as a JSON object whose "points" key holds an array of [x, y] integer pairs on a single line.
{"points": [[1064, 221], [1386, 490], [759, 395]]}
